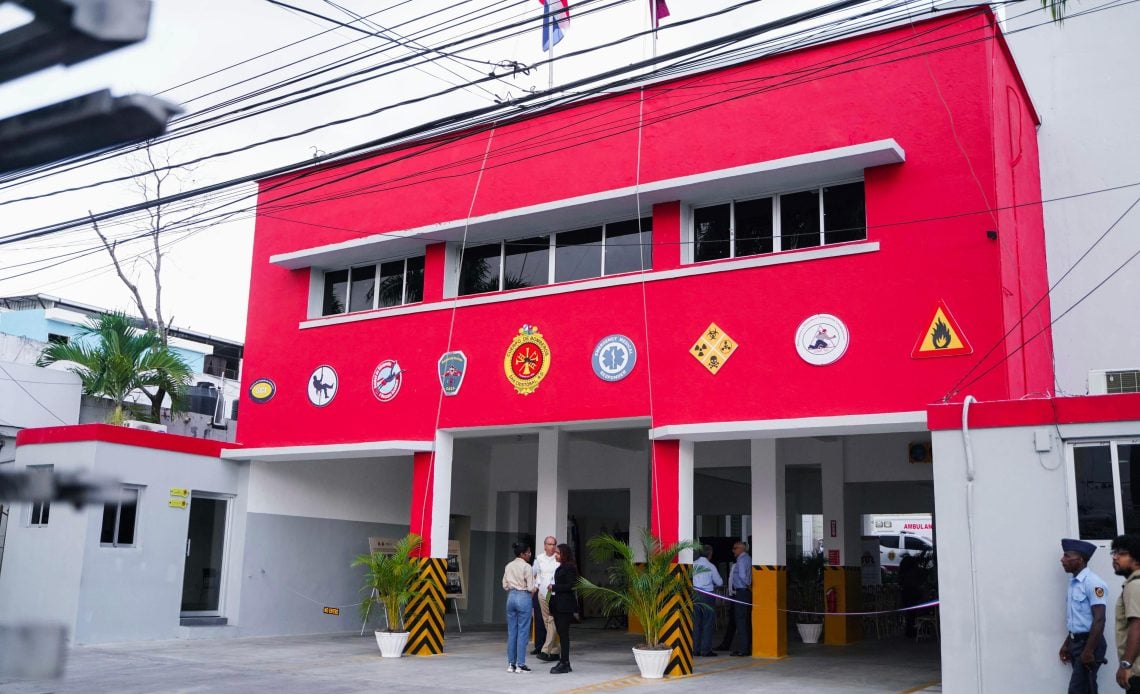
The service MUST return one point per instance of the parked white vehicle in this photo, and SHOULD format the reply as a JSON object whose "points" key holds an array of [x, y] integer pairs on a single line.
{"points": [[894, 546]]}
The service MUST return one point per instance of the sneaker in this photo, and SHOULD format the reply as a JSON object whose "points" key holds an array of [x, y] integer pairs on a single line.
{"points": [[520, 669], [511, 668]]}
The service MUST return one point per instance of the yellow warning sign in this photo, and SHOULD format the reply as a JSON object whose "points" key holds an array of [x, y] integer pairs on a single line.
{"points": [[713, 348], [178, 503], [942, 338]]}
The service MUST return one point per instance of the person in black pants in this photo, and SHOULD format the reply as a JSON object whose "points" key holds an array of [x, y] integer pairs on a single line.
{"points": [[564, 604]]}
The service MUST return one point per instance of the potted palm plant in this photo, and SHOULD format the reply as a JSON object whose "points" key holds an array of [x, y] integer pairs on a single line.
{"points": [[389, 581], [639, 590], [805, 595]]}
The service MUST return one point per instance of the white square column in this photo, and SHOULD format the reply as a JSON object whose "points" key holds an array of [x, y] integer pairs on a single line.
{"points": [[553, 504], [769, 518]]}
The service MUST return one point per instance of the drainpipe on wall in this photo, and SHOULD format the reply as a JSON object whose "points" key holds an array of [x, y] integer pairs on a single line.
{"points": [[970, 473]]}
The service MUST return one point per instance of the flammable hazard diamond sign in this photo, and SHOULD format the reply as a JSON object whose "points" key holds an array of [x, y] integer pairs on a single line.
{"points": [[943, 337]]}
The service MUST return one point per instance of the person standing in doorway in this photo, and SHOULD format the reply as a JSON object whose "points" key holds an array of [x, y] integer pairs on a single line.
{"points": [[1084, 646], [518, 581], [704, 604], [564, 604], [544, 630], [740, 579], [1126, 563]]}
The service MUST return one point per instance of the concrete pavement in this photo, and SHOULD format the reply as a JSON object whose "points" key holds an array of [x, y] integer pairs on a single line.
{"points": [[473, 662]]}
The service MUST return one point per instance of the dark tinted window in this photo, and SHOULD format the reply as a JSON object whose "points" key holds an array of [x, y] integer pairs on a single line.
{"points": [[711, 232], [753, 227], [480, 270], [844, 213], [1096, 508], [336, 292], [526, 263], [107, 530], [363, 288], [1129, 456], [415, 280], [578, 254], [915, 543], [128, 510], [391, 283], [629, 246], [890, 541], [799, 220]]}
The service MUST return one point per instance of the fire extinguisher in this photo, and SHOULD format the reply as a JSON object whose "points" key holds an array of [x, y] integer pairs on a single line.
{"points": [[832, 599]]}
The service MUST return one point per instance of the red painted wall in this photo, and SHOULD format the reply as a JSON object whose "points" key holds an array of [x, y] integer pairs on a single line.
{"points": [[933, 87]]}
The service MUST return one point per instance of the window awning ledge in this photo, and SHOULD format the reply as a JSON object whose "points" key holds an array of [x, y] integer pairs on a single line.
{"points": [[802, 170]]}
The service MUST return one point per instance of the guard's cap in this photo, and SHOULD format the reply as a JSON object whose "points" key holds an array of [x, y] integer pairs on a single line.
{"points": [[1081, 547]]}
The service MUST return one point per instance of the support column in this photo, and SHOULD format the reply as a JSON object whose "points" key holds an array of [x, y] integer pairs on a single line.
{"points": [[553, 496], [430, 515], [842, 584], [769, 552], [671, 520]]}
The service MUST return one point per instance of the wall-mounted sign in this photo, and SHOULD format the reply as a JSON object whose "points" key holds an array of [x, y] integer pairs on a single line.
{"points": [[179, 491], [833, 557], [332, 610], [452, 367], [614, 358], [262, 390], [943, 337], [179, 503], [527, 360], [713, 348], [322, 385], [386, 380], [821, 339]]}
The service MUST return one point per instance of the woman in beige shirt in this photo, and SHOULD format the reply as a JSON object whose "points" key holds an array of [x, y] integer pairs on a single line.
{"points": [[518, 581]]}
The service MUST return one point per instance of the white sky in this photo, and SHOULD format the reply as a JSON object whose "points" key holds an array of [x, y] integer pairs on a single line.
{"points": [[206, 275]]}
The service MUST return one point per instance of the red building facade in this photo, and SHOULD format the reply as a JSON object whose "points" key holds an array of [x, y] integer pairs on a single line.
{"points": [[877, 180]]}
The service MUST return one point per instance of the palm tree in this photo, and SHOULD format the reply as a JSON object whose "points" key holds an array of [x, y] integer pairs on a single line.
{"points": [[113, 359], [639, 589], [391, 580], [1056, 9]]}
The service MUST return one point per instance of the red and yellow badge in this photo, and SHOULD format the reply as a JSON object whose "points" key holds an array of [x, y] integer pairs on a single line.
{"points": [[1099, 592], [527, 360]]}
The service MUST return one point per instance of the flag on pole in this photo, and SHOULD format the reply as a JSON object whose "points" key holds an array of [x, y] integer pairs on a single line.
{"points": [[662, 12], [555, 22]]}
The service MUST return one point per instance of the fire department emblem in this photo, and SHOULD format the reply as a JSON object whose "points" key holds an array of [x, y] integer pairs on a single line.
{"points": [[387, 379], [322, 385], [527, 360], [713, 348], [452, 367], [821, 339]]}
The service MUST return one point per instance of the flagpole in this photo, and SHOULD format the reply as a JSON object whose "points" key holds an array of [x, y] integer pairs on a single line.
{"points": [[550, 65], [653, 26]]}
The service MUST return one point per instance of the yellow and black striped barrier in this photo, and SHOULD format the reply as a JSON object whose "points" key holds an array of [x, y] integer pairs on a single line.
{"points": [[677, 630], [423, 615]]}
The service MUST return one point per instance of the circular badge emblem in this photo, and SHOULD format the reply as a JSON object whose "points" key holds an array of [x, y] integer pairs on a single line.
{"points": [[386, 380], [322, 385], [527, 360], [821, 339], [613, 358], [262, 390]]}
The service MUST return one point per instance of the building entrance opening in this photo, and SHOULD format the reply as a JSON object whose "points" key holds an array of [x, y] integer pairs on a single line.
{"points": [[205, 551]]}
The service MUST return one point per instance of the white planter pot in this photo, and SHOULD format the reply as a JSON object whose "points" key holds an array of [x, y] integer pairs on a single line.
{"points": [[391, 643], [652, 663], [810, 633]]}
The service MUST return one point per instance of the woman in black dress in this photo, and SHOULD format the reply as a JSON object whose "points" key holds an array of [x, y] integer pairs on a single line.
{"points": [[563, 604]]}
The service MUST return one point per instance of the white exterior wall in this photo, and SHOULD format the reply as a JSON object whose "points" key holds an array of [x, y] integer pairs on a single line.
{"points": [[1081, 76], [1021, 508], [61, 573], [370, 490], [34, 397]]}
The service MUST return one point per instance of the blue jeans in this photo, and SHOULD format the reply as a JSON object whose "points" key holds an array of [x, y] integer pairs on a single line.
{"points": [[704, 623], [518, 626]]}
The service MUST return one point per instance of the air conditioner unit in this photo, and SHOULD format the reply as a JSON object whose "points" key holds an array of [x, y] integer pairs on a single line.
{"points": [[146, 426], [1108, 381]]}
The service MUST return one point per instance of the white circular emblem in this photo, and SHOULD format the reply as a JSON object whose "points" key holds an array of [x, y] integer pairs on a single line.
{"points": [[322, 385], [386, 380], [614, 357], [821, 339]]}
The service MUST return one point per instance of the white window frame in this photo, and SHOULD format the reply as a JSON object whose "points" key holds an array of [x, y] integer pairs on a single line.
{"points": [[319, 299], [1113, 444], [114, 543], [29, 519], [690, 243]]}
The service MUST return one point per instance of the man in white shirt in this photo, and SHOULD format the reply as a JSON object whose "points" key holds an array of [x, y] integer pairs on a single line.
{"points": [[544, 567], [704, 605]]}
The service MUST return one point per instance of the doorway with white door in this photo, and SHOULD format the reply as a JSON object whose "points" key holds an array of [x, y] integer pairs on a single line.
{"points": [[202, 578]]}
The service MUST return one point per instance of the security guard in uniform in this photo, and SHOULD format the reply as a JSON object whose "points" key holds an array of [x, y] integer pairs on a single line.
{"points": [[1084, 645]]}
